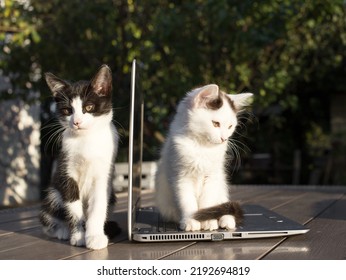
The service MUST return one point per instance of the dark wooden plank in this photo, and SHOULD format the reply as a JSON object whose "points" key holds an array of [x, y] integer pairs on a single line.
{"points": [[34, 247], [224, 250], [245, 193], [136, 251], [18, 225], [10, 215], [326, 239], [308, 206]]}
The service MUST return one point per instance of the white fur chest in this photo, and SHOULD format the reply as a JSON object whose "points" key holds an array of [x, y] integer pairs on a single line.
{"points": [[199, 158], [89, 155]]}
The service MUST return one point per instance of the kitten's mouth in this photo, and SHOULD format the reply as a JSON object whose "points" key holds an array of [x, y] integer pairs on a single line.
{"points": [[77, 128], [220, 142], [214, 142]]}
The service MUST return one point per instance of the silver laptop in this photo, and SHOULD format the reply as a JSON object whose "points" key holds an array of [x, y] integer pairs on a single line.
{"points": [[146, 225]]}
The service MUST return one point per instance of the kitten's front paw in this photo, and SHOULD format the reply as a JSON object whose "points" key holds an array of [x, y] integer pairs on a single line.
{"points": [[190, 224], [96, 242], [60, 232], [209, 225], [63, 233], [227, 221], [77, 238]]}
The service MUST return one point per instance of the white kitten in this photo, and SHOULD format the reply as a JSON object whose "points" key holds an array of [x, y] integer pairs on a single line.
{"points": [[191, 185]]}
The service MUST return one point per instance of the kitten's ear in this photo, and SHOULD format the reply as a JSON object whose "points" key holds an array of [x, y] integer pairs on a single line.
{"points": [[241, 100], [205, 96], [55, 84], [101, 83]]}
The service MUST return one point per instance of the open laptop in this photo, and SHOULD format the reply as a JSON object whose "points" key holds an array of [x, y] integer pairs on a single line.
{"points": [[146, 225]]}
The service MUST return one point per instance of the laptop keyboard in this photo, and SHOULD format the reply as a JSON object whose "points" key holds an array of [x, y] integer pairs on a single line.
{"points": [[148, 220], [167, 226]]}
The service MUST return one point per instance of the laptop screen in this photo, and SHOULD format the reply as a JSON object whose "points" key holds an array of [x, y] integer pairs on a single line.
{"points": [[135, 145]]}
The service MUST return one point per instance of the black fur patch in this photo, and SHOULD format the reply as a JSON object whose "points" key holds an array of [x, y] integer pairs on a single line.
{"points": [[231, 103], [215, 104], [111, 229], [69, 190], [59, 212], [112, 198], [67, 186], [216, 212]]}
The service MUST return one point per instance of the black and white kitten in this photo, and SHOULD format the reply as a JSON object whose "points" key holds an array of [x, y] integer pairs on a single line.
{"points": [[81, 195]]}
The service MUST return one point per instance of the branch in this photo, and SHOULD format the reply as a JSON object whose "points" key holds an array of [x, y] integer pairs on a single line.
{"points": [[10, 29]]}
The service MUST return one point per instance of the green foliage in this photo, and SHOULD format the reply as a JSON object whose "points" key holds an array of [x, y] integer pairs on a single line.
{"points": [[289, 53]]}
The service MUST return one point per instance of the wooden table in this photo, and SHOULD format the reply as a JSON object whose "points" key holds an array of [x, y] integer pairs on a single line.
{"points": [[322, 209]]}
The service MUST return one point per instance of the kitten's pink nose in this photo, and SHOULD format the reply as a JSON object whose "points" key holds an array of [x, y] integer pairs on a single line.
{"points": [[77, 122], [222, 139]]}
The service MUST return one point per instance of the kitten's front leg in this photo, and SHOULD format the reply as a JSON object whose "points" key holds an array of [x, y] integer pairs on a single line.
{"points": [[76, 223], [187, 202], [215, 192], [97, 213]]}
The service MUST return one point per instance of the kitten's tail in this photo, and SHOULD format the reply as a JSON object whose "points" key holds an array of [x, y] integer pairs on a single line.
{"points": [[111, 229], [216, 212]]}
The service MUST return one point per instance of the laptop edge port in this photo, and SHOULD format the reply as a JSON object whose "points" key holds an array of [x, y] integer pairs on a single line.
{"points": [[217, 236]]}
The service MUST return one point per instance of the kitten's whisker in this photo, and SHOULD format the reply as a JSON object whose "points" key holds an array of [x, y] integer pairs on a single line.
{"points": [[241, 145], [235, 147], [236, 160], [50, 126], [54, 146], [54, 139], [119, 108], [119, 125]]}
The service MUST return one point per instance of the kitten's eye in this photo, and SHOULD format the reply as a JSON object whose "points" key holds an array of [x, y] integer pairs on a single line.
{"points": [[216, 124], [66, 111], [230, 127], [89, 107]]}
